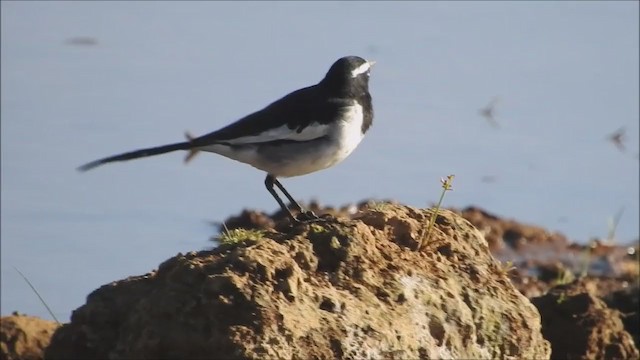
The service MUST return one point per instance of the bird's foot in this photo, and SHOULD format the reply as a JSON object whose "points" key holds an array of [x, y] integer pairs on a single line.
{"points": [[310, 217], [307, 216]]}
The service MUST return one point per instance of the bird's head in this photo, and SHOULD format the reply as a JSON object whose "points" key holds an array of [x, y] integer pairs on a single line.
{"points": [[349, 74]]}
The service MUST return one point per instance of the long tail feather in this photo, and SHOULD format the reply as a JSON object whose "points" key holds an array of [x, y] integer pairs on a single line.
{"points": [[137, 154]]}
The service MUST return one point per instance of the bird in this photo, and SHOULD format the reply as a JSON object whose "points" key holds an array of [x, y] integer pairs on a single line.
{"points": [[618, 138], [307, 130], [488, 112]]}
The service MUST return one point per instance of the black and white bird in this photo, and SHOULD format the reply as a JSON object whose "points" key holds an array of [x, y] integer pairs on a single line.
{"points": [[310, 129]]}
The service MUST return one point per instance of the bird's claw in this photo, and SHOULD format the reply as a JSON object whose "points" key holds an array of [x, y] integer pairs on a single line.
{"points": [[306, 217]]}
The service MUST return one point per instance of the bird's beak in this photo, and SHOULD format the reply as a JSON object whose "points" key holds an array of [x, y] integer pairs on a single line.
{"points": [[371, 63]]}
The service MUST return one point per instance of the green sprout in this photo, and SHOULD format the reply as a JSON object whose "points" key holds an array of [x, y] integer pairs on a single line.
{"points": [[506, 267], [378, 205], [565, 276], [238, 235], [562, 298]]}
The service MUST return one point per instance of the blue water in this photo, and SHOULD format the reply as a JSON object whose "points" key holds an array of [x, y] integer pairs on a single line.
{"points": [[566, 74]]}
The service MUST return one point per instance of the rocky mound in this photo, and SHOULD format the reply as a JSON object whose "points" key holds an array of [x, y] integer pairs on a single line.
{"points": [[367, 287], [596, 332], [24, 337]]}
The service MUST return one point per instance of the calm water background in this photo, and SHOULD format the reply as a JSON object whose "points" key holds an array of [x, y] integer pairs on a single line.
{"points": [[566, 74]]}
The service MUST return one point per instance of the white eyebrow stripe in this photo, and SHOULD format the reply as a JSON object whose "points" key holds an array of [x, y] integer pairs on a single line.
{"points": [[360, 69]]}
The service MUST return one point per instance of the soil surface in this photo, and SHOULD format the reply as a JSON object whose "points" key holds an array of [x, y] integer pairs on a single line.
{"points": [[360, 287]]}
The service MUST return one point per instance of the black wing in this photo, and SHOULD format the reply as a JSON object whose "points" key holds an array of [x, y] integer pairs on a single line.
{"points": [[304, 110]]}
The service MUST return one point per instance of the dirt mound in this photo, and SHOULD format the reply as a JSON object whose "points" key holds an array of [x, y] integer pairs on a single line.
{"points": [[24, 337], [355, 288], [596, 332]]}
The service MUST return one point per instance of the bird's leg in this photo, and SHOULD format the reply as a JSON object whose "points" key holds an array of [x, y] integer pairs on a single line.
{"points": [[286, 193], [304, 215], [269, 181]]}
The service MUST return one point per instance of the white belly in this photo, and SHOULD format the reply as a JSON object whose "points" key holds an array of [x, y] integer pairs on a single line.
{"points": [[300, 158]]}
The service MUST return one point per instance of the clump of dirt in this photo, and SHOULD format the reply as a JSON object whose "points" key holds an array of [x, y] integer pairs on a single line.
{"points": [[367, 287], [24, 337], [596, 331]]}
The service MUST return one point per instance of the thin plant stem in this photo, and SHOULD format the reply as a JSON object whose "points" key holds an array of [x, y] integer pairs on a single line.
{"points": [[38, 294], [446, 186]]}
